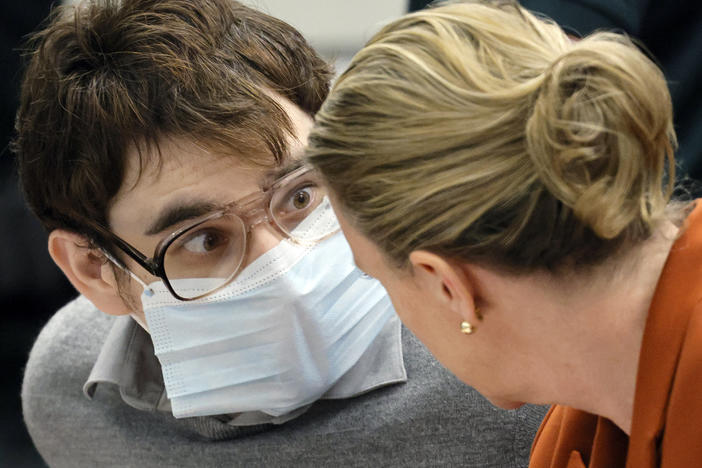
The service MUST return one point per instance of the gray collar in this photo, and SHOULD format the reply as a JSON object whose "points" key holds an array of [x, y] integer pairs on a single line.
{"points": [[127, 360]]}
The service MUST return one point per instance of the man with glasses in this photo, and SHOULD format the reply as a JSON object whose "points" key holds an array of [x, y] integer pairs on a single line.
{"points": [[159, 143]]}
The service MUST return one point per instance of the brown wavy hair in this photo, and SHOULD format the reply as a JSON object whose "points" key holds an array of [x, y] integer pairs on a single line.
{"points": [[108, 75]]}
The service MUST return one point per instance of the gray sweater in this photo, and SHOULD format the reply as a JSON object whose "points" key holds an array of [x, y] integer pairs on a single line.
{"points": [[431, 420]]}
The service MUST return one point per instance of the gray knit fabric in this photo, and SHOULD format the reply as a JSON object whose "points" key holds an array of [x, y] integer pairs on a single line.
{"points": [[432, 420]]}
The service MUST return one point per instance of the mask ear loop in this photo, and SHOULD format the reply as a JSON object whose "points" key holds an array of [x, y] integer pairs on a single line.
{"points": [[147, 290]]}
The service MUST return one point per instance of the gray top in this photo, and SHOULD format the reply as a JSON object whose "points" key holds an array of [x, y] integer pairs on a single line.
{"points": [[431, 420]]}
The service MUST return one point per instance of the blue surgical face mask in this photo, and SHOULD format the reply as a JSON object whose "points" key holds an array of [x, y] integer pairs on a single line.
{"points": [[275, 339]]}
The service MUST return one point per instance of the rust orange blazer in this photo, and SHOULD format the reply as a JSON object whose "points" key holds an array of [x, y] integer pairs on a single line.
{"points": [[667, 420]]}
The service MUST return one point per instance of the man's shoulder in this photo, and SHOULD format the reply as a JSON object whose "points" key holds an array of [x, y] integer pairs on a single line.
{"points": [[433, 418], [66, 347], [59, 362], [69, 342]]}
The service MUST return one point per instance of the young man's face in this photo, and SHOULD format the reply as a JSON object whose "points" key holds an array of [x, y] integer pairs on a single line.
{"points": [[189, 179]]}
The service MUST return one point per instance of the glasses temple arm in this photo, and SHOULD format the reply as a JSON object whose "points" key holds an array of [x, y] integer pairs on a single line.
{"points": [[147, 290]]}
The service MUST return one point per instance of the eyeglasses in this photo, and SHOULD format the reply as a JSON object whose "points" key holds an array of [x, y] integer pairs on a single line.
{"points": [[212, 248]]}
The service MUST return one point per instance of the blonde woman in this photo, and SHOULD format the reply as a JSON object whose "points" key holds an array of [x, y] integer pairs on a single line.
{"points": [[511, 189]]}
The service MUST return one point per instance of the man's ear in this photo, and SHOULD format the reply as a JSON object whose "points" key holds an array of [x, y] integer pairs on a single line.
{"points": [[447, 282], [87, 270]]}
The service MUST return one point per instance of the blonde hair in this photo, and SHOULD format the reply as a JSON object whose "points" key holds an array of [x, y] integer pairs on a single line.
{"points": [[482, 132]]}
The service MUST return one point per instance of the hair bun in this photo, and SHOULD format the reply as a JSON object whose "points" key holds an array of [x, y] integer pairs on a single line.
{"points": [[601, 132]]}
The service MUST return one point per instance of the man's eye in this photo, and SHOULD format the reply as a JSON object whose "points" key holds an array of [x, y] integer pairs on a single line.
{"points": [[298, 201], [204, 242], [301, 198]]}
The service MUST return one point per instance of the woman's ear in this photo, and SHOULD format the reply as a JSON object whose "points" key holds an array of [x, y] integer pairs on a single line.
{"points": [[87, 270], [447, 282]]}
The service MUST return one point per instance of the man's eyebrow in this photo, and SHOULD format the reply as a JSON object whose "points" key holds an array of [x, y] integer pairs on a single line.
{"points": [[178, 212], [281, 171]]}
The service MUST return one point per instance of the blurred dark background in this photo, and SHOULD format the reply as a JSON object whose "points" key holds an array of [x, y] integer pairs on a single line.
{"points": [[32, 288]]}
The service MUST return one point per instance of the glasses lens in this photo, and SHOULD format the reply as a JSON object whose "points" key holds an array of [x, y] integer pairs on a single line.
{"points": [[300, 207], [206, 256]]}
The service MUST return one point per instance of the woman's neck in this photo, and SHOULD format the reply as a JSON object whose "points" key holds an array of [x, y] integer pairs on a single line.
{"points": [[592, 347]]}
